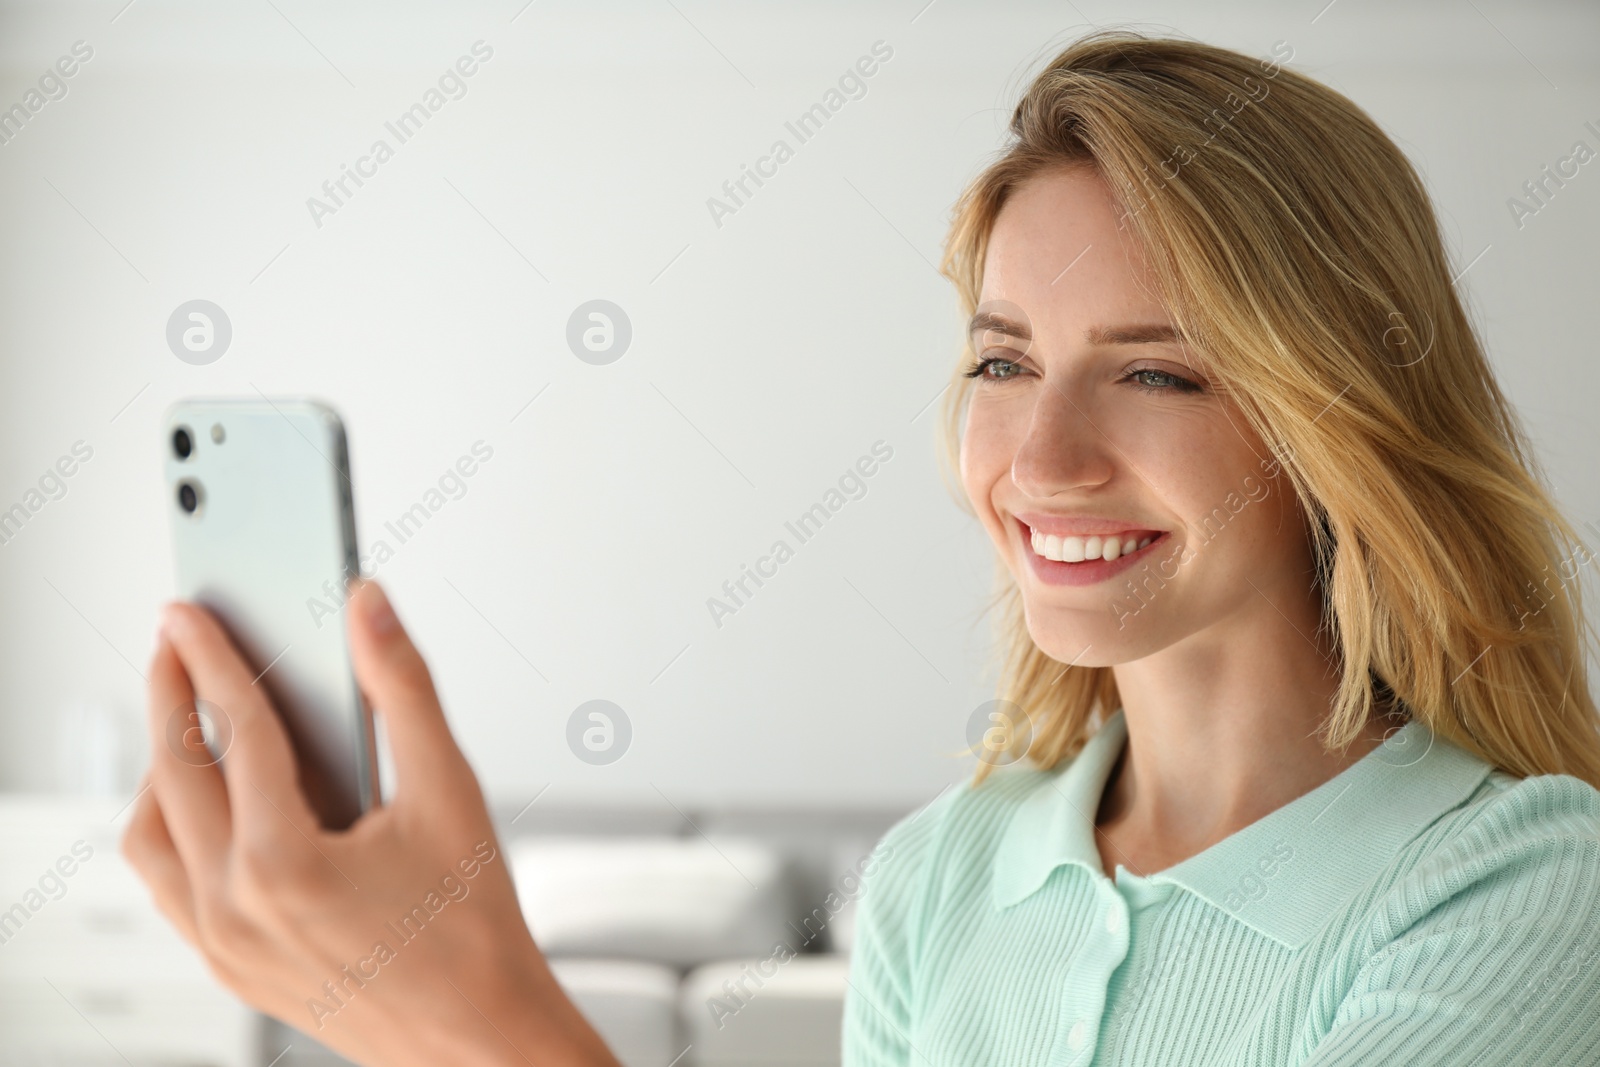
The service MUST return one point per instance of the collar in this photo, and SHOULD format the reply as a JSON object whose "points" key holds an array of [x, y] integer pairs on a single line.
{"points": [[1282, 875]]}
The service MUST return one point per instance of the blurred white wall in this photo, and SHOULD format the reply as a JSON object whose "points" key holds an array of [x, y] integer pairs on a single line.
{"points": [[768, 353]]}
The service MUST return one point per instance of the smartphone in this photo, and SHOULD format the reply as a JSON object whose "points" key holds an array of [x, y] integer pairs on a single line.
{"points": [[263, 534]]}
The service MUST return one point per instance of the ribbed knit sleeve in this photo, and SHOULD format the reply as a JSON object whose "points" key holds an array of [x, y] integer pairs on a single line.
{"points": [[1489, 952], [878, 1001]]}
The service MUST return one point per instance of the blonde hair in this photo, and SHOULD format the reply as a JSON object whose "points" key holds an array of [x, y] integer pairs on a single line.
{"points": [[1298, 253]]}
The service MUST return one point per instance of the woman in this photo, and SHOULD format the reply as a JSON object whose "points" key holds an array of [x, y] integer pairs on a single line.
{"points": [[1316, 764], [1313, 756]]}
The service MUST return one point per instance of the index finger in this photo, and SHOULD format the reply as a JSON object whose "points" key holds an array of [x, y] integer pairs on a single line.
{"points": [[183, 775], [263, 787]]}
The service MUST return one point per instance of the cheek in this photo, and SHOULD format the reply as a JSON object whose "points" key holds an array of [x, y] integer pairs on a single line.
{"points": [[1178, 461], [1181, 469], [987, 449], [1205, 474]]}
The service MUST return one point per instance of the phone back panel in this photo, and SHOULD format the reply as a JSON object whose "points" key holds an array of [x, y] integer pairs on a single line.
{"points": [[268, 549]]}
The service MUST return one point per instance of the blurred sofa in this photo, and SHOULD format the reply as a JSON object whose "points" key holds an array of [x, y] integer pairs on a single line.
{"points": [[688, 937]]}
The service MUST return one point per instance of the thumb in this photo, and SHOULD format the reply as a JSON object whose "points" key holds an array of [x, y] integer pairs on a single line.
{"points": [[395, 679]]}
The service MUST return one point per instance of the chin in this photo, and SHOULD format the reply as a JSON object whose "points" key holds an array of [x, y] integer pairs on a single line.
{"points": [[1085, 639]]}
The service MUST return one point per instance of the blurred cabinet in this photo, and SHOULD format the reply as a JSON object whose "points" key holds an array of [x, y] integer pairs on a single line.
{"points": [[90, 972]]}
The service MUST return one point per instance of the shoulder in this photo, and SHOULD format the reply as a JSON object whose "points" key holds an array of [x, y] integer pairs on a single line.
{"points": [[1546, 801], [1487, 948], [951, 837], [1535, 827], [1520, 856]]}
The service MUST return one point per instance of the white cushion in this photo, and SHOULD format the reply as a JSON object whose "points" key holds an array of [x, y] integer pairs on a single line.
{"points": [[633, 1005], [765, 1010], [677, 901]]}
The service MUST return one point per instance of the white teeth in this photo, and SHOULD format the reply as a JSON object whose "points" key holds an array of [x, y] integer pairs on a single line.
{"points": [[1078, 549]]}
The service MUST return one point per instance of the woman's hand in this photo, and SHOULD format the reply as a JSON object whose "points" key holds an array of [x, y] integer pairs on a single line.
{"points": [[397, 941]]}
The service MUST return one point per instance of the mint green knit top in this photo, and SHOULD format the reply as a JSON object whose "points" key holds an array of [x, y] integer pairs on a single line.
{"points": [[1421, 908]]}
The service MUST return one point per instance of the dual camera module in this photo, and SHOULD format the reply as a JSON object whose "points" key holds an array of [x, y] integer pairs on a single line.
{"points": [[183, 445]]}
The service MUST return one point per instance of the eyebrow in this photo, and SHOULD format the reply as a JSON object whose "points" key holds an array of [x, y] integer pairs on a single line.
{"points": [[1145, 334], [1149, 334]]}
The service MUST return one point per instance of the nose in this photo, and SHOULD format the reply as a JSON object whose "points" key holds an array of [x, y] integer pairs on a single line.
{"points": [[1062, 448]]}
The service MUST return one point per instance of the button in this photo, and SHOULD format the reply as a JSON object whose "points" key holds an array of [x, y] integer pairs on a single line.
{"points": [[1114, 921], [1077, 1036]]}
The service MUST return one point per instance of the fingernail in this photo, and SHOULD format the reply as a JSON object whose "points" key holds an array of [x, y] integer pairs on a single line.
{"points": [[171, 618], [380, 614]]}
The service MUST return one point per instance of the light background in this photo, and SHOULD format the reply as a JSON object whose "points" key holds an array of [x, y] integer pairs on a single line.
{"points": [[768, 354]]}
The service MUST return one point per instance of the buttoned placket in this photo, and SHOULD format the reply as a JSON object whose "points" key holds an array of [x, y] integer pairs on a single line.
{"points": [[1106, 946]]}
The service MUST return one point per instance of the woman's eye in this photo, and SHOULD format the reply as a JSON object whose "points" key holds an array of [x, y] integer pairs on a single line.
{"points": [[1005, 369], [1150, 380], [1146, 379]]}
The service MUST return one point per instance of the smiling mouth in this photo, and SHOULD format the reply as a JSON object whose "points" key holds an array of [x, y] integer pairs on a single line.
{"points": [[1093, 548]]}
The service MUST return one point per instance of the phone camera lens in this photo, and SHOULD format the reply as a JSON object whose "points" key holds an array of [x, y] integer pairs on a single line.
{"points": [[188, 497], [182, 443]]}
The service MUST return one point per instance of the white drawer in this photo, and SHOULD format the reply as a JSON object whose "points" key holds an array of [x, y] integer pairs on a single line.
{"points": [[99, 941], [165, 1022]]}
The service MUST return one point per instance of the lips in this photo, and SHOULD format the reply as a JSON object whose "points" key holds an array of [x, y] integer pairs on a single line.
{"points": [[1088, 571], [1082, 525], [1140, 539]]}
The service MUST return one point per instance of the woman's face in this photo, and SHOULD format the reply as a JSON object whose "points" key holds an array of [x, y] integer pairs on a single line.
{"points": [[1089, 427]]}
